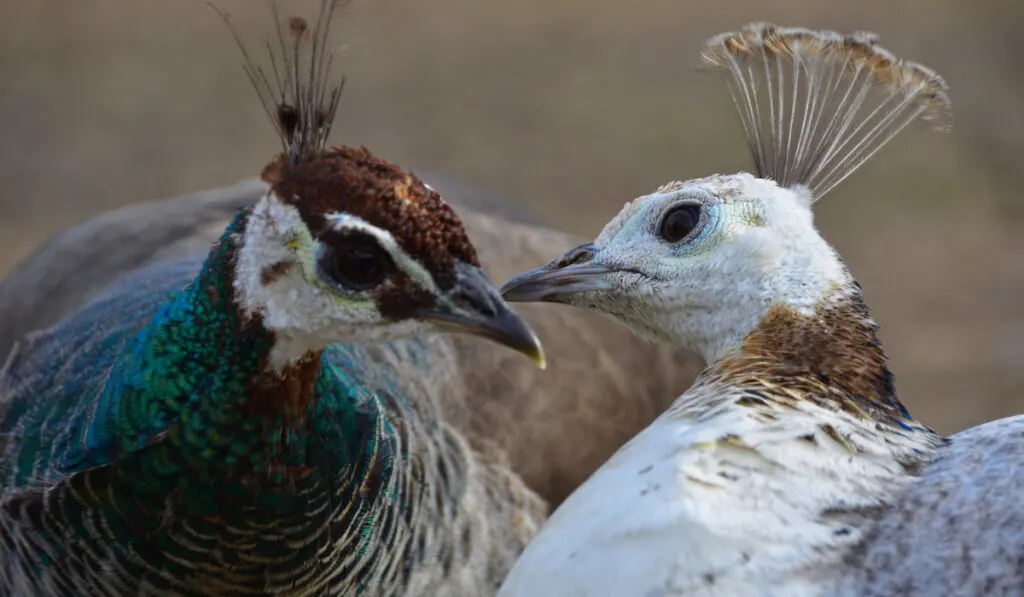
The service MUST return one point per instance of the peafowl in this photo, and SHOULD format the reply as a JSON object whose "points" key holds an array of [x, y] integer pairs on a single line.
{"points": [[554, 427], [790, 467], [247, 423]]}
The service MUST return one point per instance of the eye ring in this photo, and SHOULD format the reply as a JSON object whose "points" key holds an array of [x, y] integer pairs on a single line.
{"points": [[680, 222], [355, 262]]}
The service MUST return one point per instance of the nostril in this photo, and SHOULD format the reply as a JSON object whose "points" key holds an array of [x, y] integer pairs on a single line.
{"points": [[475, 300], [577, 255]]}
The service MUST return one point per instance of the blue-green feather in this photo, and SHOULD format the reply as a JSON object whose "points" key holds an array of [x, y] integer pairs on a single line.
{"points": [[124, 430]]}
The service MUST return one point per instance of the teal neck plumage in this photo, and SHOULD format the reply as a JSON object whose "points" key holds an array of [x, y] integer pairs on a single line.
{"points": [[192, 397], [156, 449]]}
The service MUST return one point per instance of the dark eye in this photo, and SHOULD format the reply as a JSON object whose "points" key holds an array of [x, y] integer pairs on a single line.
{"points": [[679, 222], [355, 262]]}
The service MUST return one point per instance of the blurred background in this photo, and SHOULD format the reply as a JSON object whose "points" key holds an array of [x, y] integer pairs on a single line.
{"points": [[571, 106]]}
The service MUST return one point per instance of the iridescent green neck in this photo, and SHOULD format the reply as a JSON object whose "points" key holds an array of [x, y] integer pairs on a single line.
{"points": [[196, 383], [210, 470]]}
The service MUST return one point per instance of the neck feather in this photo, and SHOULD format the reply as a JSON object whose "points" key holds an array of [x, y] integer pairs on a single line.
{"points": [[832, 355], [204, 362], [837, 346], [805, 405], [805, 410]]}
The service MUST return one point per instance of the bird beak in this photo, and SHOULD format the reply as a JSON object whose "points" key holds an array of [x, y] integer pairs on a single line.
{"points": [[572, 273], [474, 306]]}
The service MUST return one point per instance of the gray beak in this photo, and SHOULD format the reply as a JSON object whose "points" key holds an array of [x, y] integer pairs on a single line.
{"points": [[474, 306], [571, 273]]}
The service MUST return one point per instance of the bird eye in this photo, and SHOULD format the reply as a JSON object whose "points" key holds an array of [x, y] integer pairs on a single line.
{"points": [[355, 262], [679, 222]]}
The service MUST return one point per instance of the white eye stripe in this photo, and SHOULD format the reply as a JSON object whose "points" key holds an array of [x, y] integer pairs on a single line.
{"points": [[341, 222]]}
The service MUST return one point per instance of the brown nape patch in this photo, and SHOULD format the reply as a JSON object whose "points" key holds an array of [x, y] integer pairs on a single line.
{"points": [[355, 182], [288, 392], [833, 358]]}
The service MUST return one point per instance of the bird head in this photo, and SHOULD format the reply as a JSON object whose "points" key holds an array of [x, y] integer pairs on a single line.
{"points": [[701, 262], [345, 246], [696, 263], [350, 247]]}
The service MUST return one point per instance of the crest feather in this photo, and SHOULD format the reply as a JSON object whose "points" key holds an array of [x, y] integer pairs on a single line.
{"points": [[297, 88], [816, 105]]}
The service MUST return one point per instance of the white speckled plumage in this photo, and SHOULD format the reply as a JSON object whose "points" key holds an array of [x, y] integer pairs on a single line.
{"points": [[790, 468]]}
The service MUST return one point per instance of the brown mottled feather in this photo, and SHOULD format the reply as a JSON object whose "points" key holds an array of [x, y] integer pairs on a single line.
{"points": [[288, 392], [834, 357], [602, 386]]}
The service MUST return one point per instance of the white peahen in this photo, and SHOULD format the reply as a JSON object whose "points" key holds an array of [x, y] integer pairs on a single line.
{"points": [[790, 468]]}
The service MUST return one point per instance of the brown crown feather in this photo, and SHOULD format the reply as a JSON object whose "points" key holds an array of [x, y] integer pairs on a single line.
{"points": [[355, 182]]}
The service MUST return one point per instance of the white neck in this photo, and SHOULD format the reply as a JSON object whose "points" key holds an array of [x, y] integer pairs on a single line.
{"points": [[803, 281], [289, 347]]}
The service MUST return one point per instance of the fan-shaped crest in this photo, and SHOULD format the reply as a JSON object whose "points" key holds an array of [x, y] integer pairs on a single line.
{"points": [[815, 105]]}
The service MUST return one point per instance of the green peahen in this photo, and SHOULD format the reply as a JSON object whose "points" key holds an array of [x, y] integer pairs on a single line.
{"points": [[267, 420], [555, 427]]}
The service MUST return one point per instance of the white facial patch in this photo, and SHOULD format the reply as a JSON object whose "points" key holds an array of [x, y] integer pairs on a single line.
{"points": [[276, 238], [305, 313], [272, 226]]}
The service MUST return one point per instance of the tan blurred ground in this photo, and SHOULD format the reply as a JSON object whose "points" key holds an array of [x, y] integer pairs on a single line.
{"points": [[573, 106]]}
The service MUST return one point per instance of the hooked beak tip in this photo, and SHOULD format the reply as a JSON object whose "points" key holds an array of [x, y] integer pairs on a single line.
{"points": [[511, 330], [538, 357], [481, 312]]}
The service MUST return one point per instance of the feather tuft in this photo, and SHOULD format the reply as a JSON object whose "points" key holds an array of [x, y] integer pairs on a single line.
{"points": [[816, 105], [297, 88]]}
